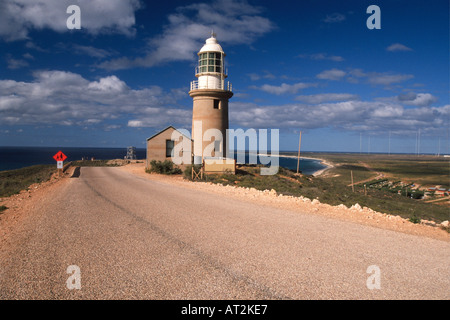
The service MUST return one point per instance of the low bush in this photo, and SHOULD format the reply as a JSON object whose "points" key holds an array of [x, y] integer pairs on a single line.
{"points": [[163, 167]]}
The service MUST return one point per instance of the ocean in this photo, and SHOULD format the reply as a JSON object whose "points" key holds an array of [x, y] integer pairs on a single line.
{"points": [[19, 157]]}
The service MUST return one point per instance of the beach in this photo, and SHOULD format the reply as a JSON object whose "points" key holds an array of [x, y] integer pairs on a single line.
{"points": [[323, 162]]}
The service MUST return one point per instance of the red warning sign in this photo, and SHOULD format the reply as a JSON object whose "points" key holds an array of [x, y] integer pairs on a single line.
{"points": [[60, 156]]}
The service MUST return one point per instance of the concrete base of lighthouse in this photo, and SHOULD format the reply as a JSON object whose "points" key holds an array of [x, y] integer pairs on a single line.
{"points": [[210, 111]]}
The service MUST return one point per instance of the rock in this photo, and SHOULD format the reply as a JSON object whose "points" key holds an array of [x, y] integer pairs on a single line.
{"points": [[445, 224], [315, 201], [356, 207]]}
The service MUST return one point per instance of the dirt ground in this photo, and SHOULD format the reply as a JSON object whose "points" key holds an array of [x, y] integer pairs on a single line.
{"points": [[20, 205]]}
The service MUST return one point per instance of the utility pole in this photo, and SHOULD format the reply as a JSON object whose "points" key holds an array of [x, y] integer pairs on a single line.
{"points": [[417, 136], [298, 157], [389, 151], [360, 143], [353, 186], [439, 147], [418, 144]]}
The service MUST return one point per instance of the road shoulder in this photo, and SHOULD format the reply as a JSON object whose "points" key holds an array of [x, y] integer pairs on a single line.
{"points": [[363, 216]]}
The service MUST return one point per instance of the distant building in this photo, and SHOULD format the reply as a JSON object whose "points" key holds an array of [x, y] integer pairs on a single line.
{"points": [[131, 153], [160, 145]]}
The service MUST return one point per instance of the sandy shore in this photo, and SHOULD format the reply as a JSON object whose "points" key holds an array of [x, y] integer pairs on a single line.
{"points": [[317, 173]]}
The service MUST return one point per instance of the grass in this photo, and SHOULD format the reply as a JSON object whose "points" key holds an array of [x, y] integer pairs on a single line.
{"points": [[425, 170], [93, 163], [13, 181]]}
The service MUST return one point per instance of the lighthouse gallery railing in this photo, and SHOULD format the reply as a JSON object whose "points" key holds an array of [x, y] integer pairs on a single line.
{"points": [[227, 86]]}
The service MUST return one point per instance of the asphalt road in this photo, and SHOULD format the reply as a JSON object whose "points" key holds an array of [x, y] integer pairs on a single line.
{"points": [[133, 238]]}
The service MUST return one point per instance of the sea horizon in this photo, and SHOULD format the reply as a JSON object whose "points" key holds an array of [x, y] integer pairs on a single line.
{"points": [[16, 157]]}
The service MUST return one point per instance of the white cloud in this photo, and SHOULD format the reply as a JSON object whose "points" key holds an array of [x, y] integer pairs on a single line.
{"points": [[234, 22], [334, 18], [284, 88], [326, 97], [19, 17], [16, 63], [59, 97], [321, 56], [266, 75], [419, 99], [28, 56], [347, 115], [398, 47], [91, 51], [378, 78], [333, 74], [387, 79], [108, 84]]}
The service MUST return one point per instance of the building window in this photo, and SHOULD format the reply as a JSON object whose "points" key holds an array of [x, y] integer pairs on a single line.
{"points": [[216, 104], [169, 148], [210, 62]]}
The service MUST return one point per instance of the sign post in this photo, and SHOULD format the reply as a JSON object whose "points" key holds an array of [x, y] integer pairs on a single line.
{"points": [[59, 157]]}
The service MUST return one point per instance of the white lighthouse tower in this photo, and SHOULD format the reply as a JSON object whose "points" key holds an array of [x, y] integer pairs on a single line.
{"points": [[210, 94]]}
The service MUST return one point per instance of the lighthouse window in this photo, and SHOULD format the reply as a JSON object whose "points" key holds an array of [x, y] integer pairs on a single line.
{"points": [[216, 104], [210, 62]]}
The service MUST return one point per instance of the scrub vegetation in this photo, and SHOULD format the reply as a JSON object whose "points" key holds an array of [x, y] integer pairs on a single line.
{"points": [[13, 181], [387, 185], [163, 167]]}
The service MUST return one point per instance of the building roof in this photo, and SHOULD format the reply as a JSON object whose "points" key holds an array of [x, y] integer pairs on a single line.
{"points": [[211, 45], [169, 127]]}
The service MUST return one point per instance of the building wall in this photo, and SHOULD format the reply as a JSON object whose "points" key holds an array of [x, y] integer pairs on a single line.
{"points": [[211, 118], [156, 147]]}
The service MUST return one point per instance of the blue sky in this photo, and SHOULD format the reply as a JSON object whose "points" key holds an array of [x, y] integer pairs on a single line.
{"points": [[312, 66]]}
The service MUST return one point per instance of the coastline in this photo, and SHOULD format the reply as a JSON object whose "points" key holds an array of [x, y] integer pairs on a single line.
{"points": [[324, 162]]}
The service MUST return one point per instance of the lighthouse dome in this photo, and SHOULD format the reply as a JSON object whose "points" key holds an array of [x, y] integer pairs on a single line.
{"points": [[211, 45]]}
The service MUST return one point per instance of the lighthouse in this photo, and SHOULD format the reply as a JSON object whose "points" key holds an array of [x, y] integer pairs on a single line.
{"points": [[210, 93]]}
